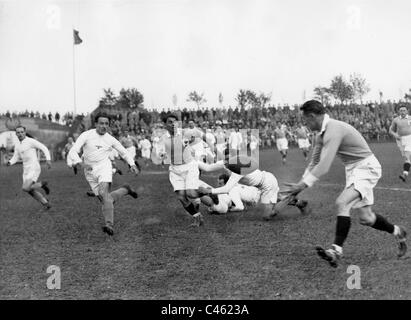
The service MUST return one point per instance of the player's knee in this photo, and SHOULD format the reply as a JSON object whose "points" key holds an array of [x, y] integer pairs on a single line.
{"points": [[191, 193], [26, 187], [341, 205], [367, 217], [181, 196]]}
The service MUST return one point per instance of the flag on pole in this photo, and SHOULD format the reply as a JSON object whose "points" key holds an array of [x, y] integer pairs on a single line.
{"points": [[77, 39]]}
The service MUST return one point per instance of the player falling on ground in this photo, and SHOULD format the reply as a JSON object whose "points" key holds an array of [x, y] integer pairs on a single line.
{"points": [[243, 169], [401, 130], [280, 134], [232, 201], [362, 174], [302, 134], [97, 145], [26, 150]]}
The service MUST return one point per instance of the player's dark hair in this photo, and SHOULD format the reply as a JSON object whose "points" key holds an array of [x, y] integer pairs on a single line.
{"points": [[20, 126], [169, 115], [224, 176], [313, 106], [402, 106], [101, 115]]}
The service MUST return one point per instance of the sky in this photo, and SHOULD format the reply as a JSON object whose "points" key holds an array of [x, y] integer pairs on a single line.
{"points": [[167, 47]]}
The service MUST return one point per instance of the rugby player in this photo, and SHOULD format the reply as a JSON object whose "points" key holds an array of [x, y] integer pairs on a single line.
{"points": [[280, 134], [302, 134], [97, 145], [129, 142], [233, 200], [400, 129], [26, 150], [243, 169], [362, 174]]}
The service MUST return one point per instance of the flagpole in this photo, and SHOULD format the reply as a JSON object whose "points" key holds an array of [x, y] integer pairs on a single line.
{"points": [[74, 82]]}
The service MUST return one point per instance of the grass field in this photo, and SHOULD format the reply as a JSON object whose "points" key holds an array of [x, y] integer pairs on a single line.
{"points": [[156, 255]]}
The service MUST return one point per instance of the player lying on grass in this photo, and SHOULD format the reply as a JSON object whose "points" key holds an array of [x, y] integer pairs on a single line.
{"points": [[362, 174], [26, 150], [234, 200], [244, 169], [97, 145]]}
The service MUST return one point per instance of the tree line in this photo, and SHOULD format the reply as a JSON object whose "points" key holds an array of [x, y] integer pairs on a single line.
{"points": [[341, 90]]}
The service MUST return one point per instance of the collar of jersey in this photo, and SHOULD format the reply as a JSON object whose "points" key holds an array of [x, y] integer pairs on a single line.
{"points": [[325, 122]]}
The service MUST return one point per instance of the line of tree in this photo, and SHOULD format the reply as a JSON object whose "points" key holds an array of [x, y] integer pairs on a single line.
{"points": [[127, 98], [343, 91]]}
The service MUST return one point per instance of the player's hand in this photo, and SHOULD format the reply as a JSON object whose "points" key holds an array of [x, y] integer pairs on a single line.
{"points": [[134, 170], [8, 164], [48, 163], [204, 191], [293, 188]]}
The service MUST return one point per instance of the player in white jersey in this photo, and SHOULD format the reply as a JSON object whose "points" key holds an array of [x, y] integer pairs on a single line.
{"points": [[129, 142], [401, 130], [26, 150], [233, 200], [243, 169], [362, 174], [97, 145], [145, 146], [280, 134]]}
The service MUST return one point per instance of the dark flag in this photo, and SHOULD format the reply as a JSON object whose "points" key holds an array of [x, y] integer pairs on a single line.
{"points": [[77, 39]]}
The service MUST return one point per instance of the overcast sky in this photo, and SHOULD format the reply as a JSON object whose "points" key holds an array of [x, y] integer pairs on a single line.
{"points": [[166, 47]]}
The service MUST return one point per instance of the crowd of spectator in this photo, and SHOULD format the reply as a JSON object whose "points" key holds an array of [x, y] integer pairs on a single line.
{"points": [[66, 119], [372, 119]]}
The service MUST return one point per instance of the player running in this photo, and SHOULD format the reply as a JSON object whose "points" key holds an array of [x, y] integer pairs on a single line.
{"points": [[26, 150], [145, 146], [97, 145], [280, 134], [302, 134], [362, 174], [129, 142], [401, 130]]}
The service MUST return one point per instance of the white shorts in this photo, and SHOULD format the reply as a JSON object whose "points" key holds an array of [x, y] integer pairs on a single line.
{"points": [[303, 143], [223, 204], [364, 175], [248, 194], [185, 176], [401, 147], [268, 188], [145, 153], [99, 173], [282, 144], [131, 152], [31, 173], [406, 143]]}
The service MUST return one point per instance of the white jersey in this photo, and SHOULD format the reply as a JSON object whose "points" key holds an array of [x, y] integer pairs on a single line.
{"points": [[247, 194], [97, 149], [144, 144], [26, 151]]}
